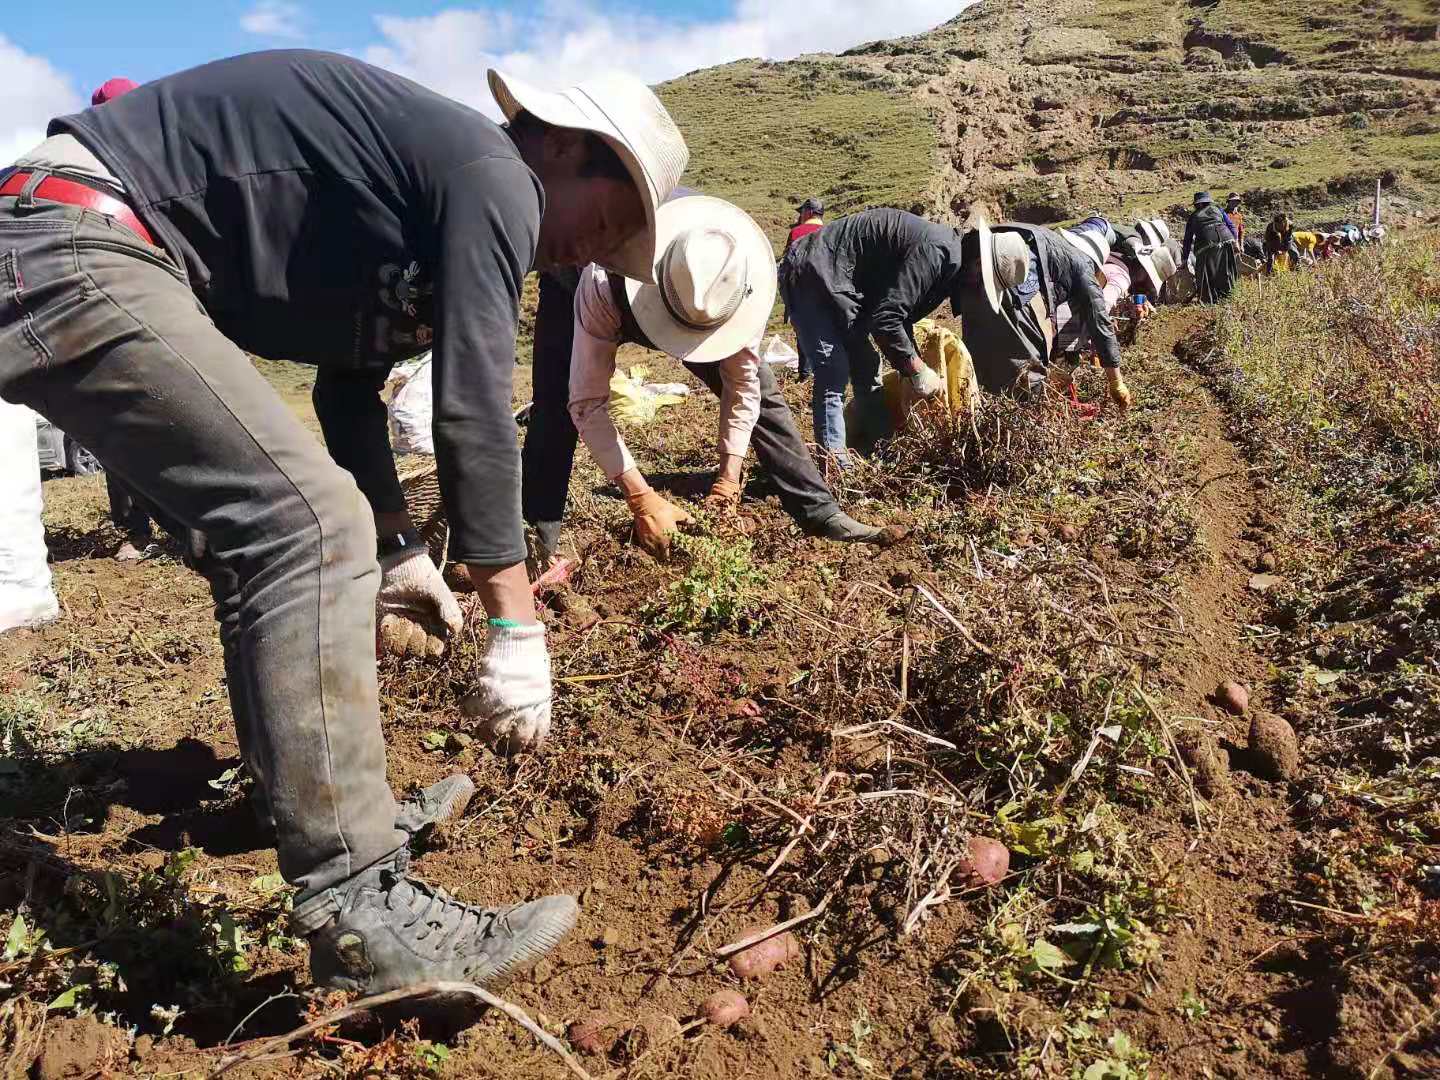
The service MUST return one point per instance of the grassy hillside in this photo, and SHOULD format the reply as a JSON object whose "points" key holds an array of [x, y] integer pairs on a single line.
{"points": [[766, 136], [1043, 109]]}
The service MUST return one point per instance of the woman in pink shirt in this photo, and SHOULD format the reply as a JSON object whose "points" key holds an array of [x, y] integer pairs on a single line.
{"points": [[714, 292]]}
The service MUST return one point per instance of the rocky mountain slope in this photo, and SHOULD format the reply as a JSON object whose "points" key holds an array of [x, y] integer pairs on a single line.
{"points": [[1040, 110]]}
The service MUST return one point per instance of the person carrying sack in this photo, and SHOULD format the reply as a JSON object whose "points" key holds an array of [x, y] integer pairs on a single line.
{"points": [[307, 205], [1211, 237], [715, 288]]}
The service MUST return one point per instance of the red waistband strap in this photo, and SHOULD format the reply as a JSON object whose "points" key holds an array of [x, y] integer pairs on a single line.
{"points": [[58, 189]]}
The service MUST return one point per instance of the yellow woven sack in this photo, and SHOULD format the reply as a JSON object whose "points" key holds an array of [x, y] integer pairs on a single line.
{"points": [[947, 356], [631, 402]]}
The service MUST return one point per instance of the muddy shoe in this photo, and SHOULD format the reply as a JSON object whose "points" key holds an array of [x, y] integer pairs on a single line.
{"points": [[844, 529], [383, 930], [418, 814]]}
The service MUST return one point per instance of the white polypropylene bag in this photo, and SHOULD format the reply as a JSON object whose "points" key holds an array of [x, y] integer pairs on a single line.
{"points": [[412, 407], [26, 597], [778, 351]]}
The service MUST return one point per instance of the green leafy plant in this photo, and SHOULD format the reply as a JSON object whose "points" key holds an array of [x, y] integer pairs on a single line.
{"points": [[719, 591]]}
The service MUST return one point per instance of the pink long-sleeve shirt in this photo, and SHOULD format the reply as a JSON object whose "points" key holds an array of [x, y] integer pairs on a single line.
{"points": [[598, 334]]}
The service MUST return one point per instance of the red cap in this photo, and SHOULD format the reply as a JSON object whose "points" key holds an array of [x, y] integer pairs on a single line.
{"points": [[111, 90]]}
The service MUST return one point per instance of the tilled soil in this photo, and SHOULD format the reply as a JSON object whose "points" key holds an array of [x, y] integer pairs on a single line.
{"points": [[668, 745]]}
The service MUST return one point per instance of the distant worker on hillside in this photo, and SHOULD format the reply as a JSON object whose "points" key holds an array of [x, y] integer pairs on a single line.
{"points": [[1306, 241], [811, 219], [716, 287], [871, 275], [1211, 237], [1236, 217], [1280, 249], [1038, 272]]}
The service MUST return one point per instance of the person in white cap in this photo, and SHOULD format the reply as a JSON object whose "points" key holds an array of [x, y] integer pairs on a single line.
{"points": [[714, 291], [309, 206], [1012, 345]]}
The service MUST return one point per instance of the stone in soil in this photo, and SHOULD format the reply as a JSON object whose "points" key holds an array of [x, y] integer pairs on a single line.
{"points": [[1209, 767], [1264, 583], [1274, 752]]}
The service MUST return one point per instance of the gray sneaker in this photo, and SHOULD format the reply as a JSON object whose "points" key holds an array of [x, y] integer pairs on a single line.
{"points": [[417, 814], [383, 930]]}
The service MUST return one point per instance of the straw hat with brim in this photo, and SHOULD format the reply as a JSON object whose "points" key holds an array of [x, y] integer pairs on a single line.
{"points": [[1157, 263], [1154, 232], [715, 281], [1089, 243], [629, 117], [1004, 258]]}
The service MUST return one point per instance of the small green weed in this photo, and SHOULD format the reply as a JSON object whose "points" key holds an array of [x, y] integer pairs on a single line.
{"points": [[720, 590]]}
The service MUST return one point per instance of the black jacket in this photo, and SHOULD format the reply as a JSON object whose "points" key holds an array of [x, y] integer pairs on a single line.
{"points": [[884, 271], [333, 213], [1066, 276]]}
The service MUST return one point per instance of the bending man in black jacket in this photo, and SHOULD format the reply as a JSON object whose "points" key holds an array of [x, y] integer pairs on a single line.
{"points": [[869, 276], [306, 205]]}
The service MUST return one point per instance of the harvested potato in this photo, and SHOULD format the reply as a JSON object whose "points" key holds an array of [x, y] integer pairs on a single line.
{"points": [[1233, 697], [988, 863], [594, 1034], [725, 1008], [761, 959]]}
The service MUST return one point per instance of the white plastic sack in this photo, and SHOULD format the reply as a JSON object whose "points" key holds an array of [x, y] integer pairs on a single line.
{"points": [[780, 352], [26, 597], [412, 407]]}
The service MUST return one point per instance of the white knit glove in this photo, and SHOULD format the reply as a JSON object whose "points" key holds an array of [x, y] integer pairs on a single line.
{"points": [[415, 611], [512, 696], [925, 382]]}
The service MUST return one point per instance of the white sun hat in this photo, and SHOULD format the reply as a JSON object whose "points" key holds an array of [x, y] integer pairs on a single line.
{"points": [[715, 281], [1089, 242], [1004, 258], [624, 112], [1153, 231]]}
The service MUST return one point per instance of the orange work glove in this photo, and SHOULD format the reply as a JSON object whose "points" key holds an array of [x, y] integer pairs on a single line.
{"points": [[1119, 392], [724, 496], [656, 521]]}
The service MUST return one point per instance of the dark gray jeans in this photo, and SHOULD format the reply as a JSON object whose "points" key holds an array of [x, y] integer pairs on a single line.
{"points": [[101, 334]]}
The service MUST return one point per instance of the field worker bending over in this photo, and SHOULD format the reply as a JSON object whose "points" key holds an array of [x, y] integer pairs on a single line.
{"points": [[1036, 270], [715, 288], [869, 276], [307, 205]]}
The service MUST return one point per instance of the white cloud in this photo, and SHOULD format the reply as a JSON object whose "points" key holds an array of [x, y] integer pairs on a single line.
{"points": [[562, 41], [274, 18], [31, 93]]}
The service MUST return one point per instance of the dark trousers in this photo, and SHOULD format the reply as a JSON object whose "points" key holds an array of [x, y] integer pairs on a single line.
{"points": [[126, 510], [549, 452], [101, 334]]}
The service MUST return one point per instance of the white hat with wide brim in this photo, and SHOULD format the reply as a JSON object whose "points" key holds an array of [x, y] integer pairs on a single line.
{"points": [[660, 310], [624, 112], [981, 227]]}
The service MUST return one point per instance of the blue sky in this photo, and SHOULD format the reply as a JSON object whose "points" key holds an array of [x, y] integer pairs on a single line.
{"points": [[97, 40], [52, 62]]}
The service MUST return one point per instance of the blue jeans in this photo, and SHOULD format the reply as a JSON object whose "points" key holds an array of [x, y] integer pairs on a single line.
{"points": [[838, 357]]}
